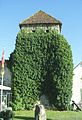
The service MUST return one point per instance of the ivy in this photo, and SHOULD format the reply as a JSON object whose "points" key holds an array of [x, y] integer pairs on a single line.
{"points": [[41, 64]]}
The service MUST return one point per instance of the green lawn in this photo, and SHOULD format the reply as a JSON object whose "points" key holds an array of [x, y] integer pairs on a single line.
{"points": [[51, 115]]}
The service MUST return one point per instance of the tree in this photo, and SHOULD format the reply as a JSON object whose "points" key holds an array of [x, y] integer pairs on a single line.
{"points": [[41, 64]]}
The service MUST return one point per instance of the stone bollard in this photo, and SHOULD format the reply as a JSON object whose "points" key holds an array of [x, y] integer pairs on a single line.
{"points": [[42, 115]]}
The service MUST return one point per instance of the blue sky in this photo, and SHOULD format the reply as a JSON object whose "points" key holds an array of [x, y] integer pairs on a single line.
{"points": [[69, 12]]}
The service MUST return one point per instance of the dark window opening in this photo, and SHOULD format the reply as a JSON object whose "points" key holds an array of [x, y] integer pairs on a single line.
{"points": [[47, 30], [33, 30], [81, 93]]}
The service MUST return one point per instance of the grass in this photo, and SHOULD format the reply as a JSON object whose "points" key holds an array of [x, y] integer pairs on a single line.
{"points": [[51, 115]]}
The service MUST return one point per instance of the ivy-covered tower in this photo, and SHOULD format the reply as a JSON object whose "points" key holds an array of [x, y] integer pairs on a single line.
{"points": [[41, 64]]}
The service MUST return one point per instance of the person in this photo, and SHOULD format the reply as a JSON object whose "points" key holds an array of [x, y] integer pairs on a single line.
{"points": [[37, 112]]}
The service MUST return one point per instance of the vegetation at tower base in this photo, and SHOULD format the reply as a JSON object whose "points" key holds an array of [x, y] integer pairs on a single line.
{"points": [[41, 64]]}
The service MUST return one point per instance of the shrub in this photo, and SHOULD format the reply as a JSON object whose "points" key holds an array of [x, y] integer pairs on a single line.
{"points": [[7, 114]]}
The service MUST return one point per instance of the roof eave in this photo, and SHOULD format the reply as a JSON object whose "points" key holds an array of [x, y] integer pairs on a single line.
{"points": [[24, 24]]}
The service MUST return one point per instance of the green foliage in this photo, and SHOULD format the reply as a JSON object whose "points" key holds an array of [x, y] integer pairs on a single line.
{"points": [[59, 67], [7, 114], [41, 64]]}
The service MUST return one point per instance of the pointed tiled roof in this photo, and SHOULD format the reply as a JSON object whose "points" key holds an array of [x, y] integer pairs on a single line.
{"points": [[40, 18], [78, 65]]}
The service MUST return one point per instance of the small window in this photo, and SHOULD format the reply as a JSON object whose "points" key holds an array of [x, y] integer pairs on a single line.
{"points": [[81, 64], [47, 30], [33, 30], [81, 93]]}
